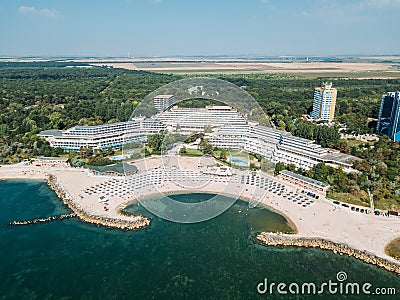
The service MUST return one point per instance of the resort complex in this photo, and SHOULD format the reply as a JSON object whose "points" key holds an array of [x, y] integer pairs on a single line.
{"points": [[214, 159], [101, 194], [224, 127], [195, 150]]}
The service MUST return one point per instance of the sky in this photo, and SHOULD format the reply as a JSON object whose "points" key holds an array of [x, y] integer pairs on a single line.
{"points": [[199, 27]]}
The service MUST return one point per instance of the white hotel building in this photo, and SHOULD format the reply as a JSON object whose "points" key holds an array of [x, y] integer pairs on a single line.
{"points": [[102, 136], [229, 130], [279, 146], [324, 102]]}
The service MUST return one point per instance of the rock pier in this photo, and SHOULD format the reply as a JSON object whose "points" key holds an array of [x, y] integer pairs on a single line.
{"points": [[42, 220], [277, 239], [135, 222]]}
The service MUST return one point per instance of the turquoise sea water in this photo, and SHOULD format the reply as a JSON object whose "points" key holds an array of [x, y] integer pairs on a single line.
{"points": [[217, 259]]}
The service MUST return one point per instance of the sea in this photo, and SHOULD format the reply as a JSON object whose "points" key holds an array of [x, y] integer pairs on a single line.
{"points": [[215, 259]]}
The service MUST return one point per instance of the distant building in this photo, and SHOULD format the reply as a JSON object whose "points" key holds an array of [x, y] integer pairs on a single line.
{"points": [[389, 116], [163, 102], [324, 103]]}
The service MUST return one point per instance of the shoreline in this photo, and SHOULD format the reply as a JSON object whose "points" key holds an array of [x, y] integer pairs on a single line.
{"points": [[286, 240], [334, 227], [137, 223]]}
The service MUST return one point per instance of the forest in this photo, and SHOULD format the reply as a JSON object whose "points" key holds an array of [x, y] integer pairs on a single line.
{"points": [[40, 96]]}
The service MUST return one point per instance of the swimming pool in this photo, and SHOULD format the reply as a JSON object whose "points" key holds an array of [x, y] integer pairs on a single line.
{"points": [[239, 162], [121, 156]]}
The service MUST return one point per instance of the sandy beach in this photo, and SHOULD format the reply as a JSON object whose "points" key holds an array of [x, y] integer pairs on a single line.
{"points": [[322, 219], [21, 171]]}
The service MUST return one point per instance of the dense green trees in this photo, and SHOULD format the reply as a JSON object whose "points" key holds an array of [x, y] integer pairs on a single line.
{"points": [[161, 142], [206, 147], [193, 137], [89, 156], [322, 134], [155, 143], [34, 98]]}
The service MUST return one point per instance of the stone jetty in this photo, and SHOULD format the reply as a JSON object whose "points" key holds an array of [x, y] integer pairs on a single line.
{"points": [[42, 220], [135, 222], [280, 239]]}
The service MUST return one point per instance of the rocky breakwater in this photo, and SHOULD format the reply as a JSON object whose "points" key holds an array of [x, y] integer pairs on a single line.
{"points": [[42, 220], [134, 222], [279, 239]]}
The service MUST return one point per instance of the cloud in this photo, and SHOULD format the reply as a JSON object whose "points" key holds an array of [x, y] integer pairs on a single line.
{"points": [[379, 3], [357, 4], [41, 12]]}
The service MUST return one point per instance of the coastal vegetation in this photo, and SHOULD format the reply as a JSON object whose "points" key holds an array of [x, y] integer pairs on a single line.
{"points": [[38, 96], [393, 249]]}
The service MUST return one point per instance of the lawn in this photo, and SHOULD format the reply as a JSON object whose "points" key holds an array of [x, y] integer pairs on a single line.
{"points": [[361, 198], [387, 204], [193, 152]]}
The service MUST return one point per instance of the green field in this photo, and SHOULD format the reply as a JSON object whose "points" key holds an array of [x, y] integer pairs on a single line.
{"points": [[311, 75]]}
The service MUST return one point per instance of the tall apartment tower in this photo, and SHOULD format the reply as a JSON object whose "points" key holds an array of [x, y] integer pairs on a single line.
{"points": [[324, 102], [389, 116], [163, 102]]}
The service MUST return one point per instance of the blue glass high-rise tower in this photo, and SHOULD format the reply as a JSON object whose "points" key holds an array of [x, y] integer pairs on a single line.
{"points": [[389, 116]]}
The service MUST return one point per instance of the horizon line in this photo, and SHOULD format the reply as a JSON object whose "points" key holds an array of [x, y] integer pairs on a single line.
{"points": [[6, 56]]}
